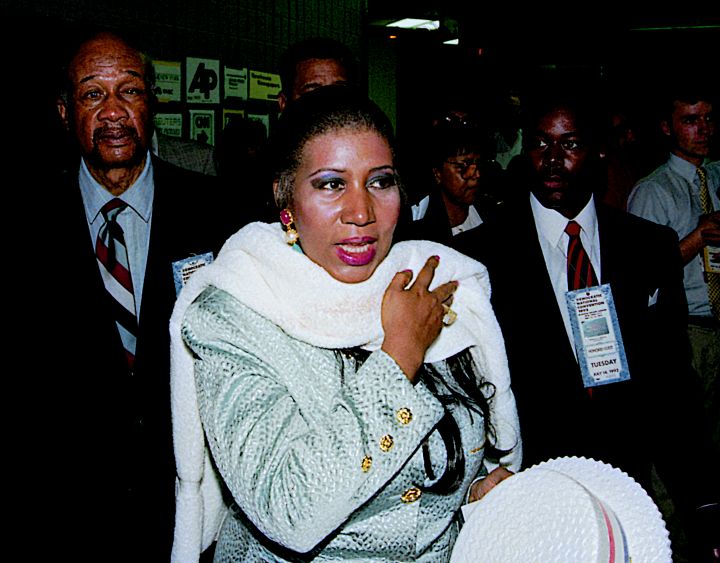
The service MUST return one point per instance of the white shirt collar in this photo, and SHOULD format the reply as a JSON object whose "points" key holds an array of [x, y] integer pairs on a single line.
{"points": [[551, 224], [473, 220], [682, 167], [139, 196]]}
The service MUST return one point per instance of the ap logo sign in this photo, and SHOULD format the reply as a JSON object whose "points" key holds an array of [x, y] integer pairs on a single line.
{"points": [[202, 80]]}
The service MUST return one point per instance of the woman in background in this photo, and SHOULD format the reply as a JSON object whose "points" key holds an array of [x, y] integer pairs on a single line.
{"points": [[466, 188]]}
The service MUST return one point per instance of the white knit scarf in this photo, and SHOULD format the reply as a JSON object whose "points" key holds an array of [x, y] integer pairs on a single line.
{"points": [[260, 270]]}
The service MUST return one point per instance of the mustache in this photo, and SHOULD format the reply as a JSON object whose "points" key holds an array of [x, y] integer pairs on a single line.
{"points": [[114, 132]]}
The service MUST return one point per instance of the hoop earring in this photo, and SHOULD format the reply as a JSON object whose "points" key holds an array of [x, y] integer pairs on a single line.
{"points": [[291, 235]]}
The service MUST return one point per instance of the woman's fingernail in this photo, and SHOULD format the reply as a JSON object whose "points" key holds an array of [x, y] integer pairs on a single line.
{"points": [[437, 258]]}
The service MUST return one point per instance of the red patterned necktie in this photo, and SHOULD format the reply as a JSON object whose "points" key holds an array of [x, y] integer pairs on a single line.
{"points": [[115, 269], [580, 272]]}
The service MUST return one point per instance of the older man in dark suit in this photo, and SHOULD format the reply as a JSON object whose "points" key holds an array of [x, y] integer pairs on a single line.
{"points": [[113, 232], [567, 405]]}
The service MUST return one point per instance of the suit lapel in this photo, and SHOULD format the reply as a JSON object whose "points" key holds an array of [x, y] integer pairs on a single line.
{"points": [[88, 272], [608, 246], [157, 292], [547, 305], [82, 282], [620, 266]]}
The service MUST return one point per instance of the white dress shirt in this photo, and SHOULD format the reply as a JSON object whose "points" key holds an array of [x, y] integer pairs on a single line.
{"points": [[135, 219], [550, 226], [671, 196]]}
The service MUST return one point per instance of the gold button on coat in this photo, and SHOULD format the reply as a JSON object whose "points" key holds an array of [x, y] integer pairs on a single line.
{"points": [[366, 464], [404, 415], [411, 495], [386, 443]]}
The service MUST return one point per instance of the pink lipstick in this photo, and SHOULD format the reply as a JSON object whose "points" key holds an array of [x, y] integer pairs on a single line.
{"points": [[356, 251]]}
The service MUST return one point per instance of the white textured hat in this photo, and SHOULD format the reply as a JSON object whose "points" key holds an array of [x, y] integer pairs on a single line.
{"points": [[565, 509]]}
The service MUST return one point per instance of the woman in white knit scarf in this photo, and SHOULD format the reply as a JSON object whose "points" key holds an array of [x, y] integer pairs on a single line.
{"points": [[335, 396]]}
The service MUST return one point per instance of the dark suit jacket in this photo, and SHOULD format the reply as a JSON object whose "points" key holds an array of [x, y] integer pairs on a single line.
{"points": [[190, 155], [434, 225], [104, 431], [632, 424]]}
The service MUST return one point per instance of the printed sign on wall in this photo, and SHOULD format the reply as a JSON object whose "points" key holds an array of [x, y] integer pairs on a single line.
{"points": [[264, 85], [167, 81], [230, 114], [202, 125], [236, 83], [169, 123], [203, 81]]}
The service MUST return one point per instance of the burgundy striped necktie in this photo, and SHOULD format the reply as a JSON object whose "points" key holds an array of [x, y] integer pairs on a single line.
{"points": [[580, 271], [115, 269]]}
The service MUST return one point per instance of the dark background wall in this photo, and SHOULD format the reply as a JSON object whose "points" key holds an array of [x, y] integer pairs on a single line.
{"points": [[405, 76], [243, 32], [39, 34]]}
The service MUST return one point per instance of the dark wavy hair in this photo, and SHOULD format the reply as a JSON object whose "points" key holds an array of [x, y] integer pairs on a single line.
{"points": [[324, 110]]}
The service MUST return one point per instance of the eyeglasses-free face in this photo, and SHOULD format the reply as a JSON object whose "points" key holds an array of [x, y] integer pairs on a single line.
{"points": [[346, 202]]}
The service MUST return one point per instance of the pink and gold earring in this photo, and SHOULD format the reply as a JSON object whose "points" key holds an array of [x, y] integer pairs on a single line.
{"points": [[286, 218]]}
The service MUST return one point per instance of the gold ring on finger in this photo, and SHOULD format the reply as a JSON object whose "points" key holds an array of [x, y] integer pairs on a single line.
{"points": [[449, 317]]}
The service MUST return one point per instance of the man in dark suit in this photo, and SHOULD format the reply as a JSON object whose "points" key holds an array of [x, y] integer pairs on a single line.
{"points": [[104, 392], [647, 419]]}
